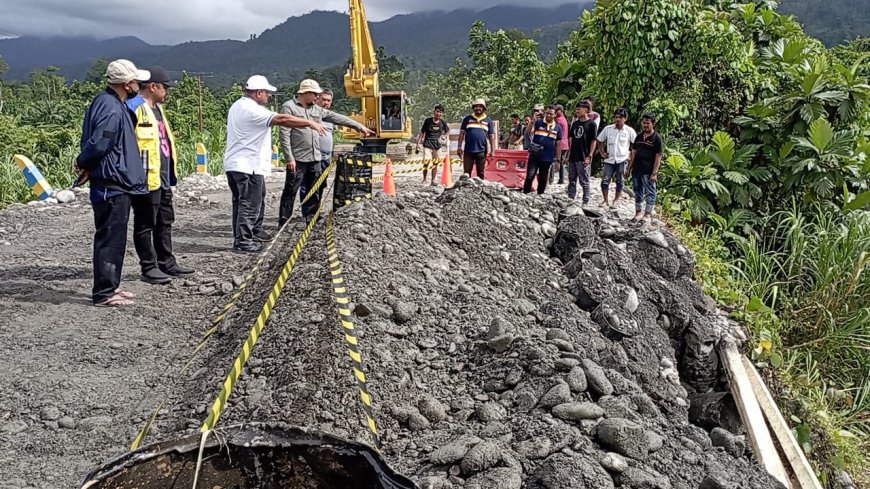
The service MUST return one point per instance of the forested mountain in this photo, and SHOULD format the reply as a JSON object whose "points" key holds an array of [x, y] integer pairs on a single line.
{"points": [[424, 40], [832, 21]]}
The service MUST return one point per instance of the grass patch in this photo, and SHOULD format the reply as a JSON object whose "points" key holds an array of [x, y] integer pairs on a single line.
{"points": [[801, 287]]}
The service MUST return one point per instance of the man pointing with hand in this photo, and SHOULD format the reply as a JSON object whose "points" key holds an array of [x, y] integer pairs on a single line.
{"points": [[301, 148]]}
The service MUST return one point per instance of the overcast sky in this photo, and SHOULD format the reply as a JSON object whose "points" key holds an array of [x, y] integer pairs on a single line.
{"points": [[175, 21]]}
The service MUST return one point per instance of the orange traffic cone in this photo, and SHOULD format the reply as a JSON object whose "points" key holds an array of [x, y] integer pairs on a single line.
{"points": [[447, 172], [389, 184]]}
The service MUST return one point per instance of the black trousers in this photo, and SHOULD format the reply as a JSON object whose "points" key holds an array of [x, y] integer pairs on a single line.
{"points": [[110, 244], [472, 161], [307, 172], [153, 215], [247, 193], [261, 216], [540, 169]]}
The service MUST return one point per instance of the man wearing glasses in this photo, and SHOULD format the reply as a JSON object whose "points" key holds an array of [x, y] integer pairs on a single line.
{"points": [[153, 213]]}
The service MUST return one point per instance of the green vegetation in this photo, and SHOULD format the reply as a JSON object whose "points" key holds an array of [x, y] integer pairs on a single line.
{"points": [[766, 177]]}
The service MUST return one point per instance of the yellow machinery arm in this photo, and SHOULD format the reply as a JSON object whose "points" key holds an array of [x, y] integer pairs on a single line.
{"points": [[361, 79], [384, 113]]}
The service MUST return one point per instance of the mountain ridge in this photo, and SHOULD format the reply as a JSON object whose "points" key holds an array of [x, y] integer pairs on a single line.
{"points": [[430, 39]]}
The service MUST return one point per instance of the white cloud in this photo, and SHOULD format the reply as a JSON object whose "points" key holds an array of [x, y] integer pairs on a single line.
{"points": [[174, 21]]}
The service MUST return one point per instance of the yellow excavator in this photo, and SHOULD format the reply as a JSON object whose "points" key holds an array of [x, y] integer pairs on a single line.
{"points": [[385, 113]]}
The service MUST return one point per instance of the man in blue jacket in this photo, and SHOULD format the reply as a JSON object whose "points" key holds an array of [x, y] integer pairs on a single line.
{"points": [[110, 159]]}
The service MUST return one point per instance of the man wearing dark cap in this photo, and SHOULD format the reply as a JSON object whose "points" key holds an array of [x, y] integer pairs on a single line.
{"points": [[153, 213], [109, 158]]}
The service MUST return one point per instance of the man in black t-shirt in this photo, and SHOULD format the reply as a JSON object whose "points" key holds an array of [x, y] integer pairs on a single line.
{"points": [[581, 147], [643, 165], [432, 135]]}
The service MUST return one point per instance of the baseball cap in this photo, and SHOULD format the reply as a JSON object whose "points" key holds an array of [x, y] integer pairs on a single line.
{"points": [[479, 101], [123, 71], [259, 82], [538, 107], [309, 85], [158, 75], [621, 112]]}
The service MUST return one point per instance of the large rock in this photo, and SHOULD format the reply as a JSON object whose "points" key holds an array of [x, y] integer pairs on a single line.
{"points": [[558, 394], [573, 472], [733, 444], [453, 452], [624, 437], [65, 196], [596, 379], [481, 457], [578, 411]]}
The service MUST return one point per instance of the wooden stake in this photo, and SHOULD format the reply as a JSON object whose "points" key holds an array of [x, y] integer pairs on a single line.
{"points": [[803, 471], [762, 444]]}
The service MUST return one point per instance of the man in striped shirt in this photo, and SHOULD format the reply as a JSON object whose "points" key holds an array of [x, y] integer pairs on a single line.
{"points": [[545, 148], [476, 139]]}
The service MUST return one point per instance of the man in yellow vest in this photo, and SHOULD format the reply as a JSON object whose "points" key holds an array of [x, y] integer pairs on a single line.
{"points": [[153, 213]]}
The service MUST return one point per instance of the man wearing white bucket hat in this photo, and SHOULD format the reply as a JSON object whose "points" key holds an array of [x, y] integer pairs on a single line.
{"points": [[301, 148], [248, 152], [476, 138]]}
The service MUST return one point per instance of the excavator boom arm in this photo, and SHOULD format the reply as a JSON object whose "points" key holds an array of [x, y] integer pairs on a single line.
{"points": [[361, 79]]}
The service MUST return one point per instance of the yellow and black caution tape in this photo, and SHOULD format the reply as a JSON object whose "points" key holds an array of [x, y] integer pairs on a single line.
{"points": [[222, 315], [320, 180], [351, 201], [354, 179], [227, 389], [343, 302], [253, 272]]}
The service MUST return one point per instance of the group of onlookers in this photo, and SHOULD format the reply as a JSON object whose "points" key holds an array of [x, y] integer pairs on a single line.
{"points": [[554, 143]]}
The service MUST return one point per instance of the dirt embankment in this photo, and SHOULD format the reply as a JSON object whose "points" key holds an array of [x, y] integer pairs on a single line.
{"points": [[510, 340]]}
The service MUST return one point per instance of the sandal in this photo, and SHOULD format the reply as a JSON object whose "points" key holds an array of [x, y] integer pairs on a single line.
{"points": [[116, 300], [124, 294]]}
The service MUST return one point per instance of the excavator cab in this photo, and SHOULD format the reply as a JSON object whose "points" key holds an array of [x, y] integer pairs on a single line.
{"points": [[394, 123]]}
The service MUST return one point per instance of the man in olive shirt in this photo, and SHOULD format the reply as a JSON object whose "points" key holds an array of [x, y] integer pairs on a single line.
{"points": [[301, 148]]}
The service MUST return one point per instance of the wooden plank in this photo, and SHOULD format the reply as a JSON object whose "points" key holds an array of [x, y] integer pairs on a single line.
{"points": [[803, 471], [762, 443]]}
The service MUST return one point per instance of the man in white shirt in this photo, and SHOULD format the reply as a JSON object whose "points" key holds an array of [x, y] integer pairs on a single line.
{"points": [[248, 155], [615, 148]]}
